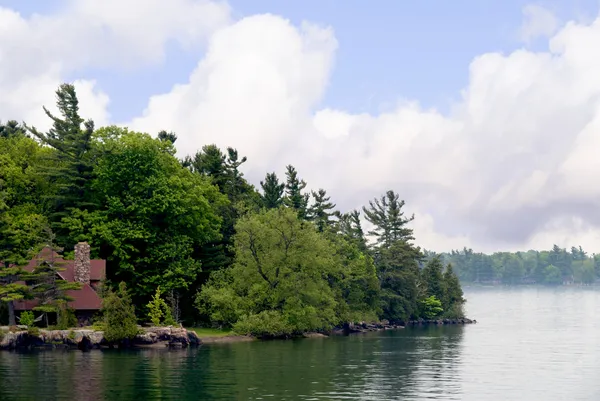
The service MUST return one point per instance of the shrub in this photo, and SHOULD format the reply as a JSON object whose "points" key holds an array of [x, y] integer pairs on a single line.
{"points": [[33, 331], [66, 319], [27, 318], [159, 312], [431, 307], [264, 324], [71, 335], [119, 315]]}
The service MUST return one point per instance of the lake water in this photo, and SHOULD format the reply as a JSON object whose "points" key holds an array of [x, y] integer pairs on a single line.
{"points": [[530, 344]]}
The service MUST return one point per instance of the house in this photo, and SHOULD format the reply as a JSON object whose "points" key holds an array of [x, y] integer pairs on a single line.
{"points": [[86, 301]]}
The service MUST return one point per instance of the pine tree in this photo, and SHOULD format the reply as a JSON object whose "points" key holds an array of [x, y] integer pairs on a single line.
{"points": [[71, 161], [167, 136], [320, 212], [454, 293], [433, 278], [272, 196], [294, 198], [11, 129], [350, 226], [386, 215], [119, 315]]}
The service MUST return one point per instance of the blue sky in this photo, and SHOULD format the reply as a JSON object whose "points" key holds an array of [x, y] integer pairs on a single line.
{"points": [[388, 49]]}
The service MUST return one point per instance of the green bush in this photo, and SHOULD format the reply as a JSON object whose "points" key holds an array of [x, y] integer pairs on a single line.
{"points": [[27, 318], [431, 307], [120, 322], [33, 331], [264, 324], [66, 319], [159, 312]]}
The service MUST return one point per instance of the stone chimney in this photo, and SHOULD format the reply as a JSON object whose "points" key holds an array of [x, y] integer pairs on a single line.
{"points": [[82, 263]]}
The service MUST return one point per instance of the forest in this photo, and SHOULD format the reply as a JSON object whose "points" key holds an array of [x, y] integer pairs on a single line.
{"points": [[195, 236], [556, 266]]}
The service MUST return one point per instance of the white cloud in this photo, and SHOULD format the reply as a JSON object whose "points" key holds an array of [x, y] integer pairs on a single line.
{"points": [[515, 153], [511, 167], [538, 21], [37, 53]]}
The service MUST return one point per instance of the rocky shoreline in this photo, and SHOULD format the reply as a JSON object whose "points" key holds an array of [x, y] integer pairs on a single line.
{"points": [[150, 337], [175, 337]]}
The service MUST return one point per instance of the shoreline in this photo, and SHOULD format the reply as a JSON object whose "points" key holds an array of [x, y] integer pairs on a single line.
{"points": [[179, 337]]}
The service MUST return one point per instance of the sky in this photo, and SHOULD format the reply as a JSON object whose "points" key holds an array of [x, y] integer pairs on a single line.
{"points": [[483, 115]]}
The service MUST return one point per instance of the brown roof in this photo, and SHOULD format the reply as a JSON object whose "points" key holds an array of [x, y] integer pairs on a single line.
{"points": [[85, 298]]}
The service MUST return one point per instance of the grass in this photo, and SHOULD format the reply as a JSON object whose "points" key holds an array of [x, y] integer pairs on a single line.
{"points": [[204, 332]]}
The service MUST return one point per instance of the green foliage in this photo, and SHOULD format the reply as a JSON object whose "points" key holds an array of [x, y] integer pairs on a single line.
{"points": [[159, 312], [66, 318], [272, 196], [119, 315], [321, 210], [154, 214], [286, 279], [431, 307], [27, 318], [33, 331], [294, 197]]}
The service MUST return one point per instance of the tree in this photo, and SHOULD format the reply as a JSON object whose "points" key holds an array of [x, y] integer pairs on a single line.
{"points": [[454, 299], [433, 278], [294, 197], [11, 129], [396, 258], [71, 165], [385, 213], [272, 196], [277, 284], [167, 136], [120, 323], [48, 287], [153, 216], [350, 226], [159, 311], [320, 212]]}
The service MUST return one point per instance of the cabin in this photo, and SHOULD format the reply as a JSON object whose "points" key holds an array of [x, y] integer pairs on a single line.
{"points": [[89, 272]]}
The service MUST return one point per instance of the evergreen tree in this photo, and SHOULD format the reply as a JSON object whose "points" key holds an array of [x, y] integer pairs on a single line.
{"points": [[120, 323], [350, 226], [11, 129], [294, 197], [167, 136], [320, 211], [71, 169], [272, 196], [433, 278], [396, 258], [454, 299]]}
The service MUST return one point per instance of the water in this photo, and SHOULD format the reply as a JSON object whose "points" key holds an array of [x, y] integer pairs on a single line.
{"points": [[530, 344]]}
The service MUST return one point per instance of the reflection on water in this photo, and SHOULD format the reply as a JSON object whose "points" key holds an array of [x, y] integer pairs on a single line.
{"points": [[529, 344], [376, 366]]}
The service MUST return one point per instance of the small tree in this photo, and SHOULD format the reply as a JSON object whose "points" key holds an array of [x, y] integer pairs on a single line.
{"points": [[159, 312], [432, 307], [119, 315]]}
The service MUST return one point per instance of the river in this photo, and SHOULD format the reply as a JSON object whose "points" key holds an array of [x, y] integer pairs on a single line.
{"points": [[530, 344]]}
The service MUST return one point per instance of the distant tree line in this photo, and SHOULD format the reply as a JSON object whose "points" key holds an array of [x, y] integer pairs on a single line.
{"points": [[556, 266], [273, 260]]}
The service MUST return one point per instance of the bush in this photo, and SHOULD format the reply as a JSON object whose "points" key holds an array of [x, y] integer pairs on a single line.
{"points": [[159, 312], [33, 331], [27, 318], [431, 307], [120, 322], [265, 324], [66, 319]]}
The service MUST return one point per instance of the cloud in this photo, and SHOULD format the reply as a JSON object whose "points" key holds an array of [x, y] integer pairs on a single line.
{"points": [[512, 166], [515, 153], [37, 53], [538, 22]]}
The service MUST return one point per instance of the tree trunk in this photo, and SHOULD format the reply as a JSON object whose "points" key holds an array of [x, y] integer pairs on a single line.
{"points": [[12, 320]]}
